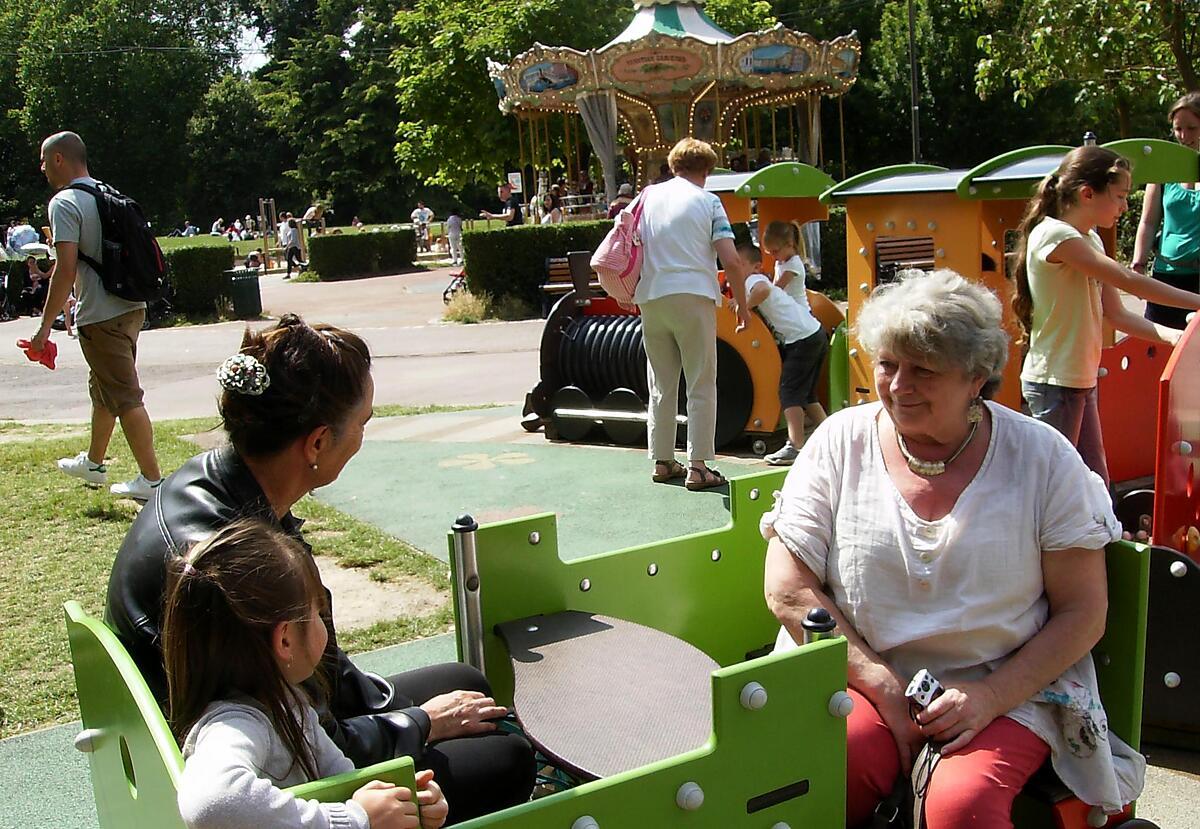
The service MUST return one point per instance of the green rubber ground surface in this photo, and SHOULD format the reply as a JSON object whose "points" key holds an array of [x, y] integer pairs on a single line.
{"points": [[603, 497]]}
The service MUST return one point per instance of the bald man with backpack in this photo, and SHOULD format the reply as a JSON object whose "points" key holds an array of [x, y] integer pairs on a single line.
{"points": [[107, 252]]}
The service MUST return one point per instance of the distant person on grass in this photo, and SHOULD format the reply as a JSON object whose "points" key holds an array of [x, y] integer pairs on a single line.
{"points": [[108, 325]]}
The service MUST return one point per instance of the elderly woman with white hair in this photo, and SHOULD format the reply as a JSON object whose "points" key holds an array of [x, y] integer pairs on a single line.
{"points": [[947, 533]]}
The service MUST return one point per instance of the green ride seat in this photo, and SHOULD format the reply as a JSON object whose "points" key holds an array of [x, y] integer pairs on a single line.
{"points": [[134, 761]]}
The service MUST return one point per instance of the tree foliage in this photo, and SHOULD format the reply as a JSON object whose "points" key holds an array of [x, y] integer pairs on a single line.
{"points": [[1111, 52], [126, 75], [235, 154]]}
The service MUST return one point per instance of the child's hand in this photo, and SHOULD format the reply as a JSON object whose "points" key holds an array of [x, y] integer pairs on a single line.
{"points": [[434, 807], [388, 806]]}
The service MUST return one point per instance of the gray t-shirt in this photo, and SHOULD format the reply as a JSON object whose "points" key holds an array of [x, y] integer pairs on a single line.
{"points": [[74, 218]]}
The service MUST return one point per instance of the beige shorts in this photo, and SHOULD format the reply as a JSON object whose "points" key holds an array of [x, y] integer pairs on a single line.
{"points": [[110, 348]]}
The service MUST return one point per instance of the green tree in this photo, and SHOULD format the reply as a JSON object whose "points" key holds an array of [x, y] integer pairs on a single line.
{"points": [[126, 75], [236, 155], [1109, 52], [21, 185], [450, 129], [957, 127], [334, 95]]}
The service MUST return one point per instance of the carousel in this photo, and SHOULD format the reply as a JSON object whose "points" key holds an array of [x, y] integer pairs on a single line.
{"points": [[673, 73]]}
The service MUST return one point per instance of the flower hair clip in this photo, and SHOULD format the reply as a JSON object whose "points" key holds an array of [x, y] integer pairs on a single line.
{"points": [[244, 374]]}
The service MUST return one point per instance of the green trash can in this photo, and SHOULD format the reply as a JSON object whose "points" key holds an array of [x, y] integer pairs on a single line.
{"points": [[243, 291]]}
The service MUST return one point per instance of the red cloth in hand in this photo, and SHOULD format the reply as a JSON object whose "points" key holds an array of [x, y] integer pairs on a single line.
{"points": [[46, 356]]}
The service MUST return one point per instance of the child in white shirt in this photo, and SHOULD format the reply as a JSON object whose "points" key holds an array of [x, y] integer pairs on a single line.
{"points": [[803, 344]]}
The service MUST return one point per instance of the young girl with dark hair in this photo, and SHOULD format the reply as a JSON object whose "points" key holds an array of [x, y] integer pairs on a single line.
{"points": [[242, 628], [1173, 209], [1066, 286]]}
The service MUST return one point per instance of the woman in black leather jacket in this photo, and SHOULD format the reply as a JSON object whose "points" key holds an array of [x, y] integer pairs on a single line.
{"points": [[295, 400]]}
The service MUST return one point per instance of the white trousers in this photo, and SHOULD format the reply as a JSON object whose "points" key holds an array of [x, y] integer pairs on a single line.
{"points": [[680, 334], [456, 251]]}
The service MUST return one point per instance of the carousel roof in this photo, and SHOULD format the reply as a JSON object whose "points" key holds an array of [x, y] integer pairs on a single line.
{"points": [[672, 48], [673, 19]]}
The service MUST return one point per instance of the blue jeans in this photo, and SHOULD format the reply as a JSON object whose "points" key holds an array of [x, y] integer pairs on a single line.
{"points": [[1075, 413]]}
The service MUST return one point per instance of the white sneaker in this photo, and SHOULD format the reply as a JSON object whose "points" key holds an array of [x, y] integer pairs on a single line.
{"points": [[138, 489], [80, 467], [786, 455]]}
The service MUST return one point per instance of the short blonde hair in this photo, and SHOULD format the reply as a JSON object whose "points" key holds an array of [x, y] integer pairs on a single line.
{"points": [[939, 317], [691, 155]]}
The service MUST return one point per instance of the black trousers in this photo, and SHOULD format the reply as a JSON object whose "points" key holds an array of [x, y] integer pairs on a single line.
{"points": [[293, 260], [479, 774]]}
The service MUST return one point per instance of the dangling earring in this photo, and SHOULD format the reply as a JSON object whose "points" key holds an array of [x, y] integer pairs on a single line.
{"points": [[975, 410]]}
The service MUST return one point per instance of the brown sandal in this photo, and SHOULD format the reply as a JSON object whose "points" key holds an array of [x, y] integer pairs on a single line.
{"points": [[672, 471], [703, 477]]}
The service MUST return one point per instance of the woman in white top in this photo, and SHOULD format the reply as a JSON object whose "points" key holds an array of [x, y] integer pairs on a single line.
{"points": [[684, 228], [551, 213], [948, 533], [1067, 286]]}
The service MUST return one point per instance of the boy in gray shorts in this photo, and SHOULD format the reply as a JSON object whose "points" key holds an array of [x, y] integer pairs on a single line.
{"points": [[802, 344]]}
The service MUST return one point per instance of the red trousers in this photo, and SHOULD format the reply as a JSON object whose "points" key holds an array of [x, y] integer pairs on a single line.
{"points": [[974, 787]]}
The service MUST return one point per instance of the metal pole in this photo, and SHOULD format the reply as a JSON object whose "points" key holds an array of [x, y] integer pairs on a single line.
{"points": [[466, 590], [912, 62]]}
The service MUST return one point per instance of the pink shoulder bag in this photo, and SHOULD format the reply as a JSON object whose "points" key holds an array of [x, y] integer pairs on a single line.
{"points": [[618, 260]]}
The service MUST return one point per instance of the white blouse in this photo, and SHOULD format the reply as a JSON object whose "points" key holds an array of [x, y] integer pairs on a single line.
{"points": [[960, 594]]}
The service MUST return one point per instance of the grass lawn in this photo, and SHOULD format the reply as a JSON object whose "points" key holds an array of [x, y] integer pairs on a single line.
{"points": [[244, 247], [58, 538]]}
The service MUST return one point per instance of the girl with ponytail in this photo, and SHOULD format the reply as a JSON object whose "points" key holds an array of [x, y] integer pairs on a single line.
{"points": [[1066, 286]]}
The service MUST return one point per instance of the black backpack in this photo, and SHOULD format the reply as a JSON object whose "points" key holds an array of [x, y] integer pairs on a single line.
{"points": [[133, 267]]}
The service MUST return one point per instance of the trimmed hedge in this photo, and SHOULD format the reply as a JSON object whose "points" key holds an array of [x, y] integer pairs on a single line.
{"points": [[511, 261], [197, 274], [351, 255]]}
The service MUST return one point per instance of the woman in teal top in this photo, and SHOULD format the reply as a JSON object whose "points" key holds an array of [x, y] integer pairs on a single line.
{"points": [[1177, 208]]}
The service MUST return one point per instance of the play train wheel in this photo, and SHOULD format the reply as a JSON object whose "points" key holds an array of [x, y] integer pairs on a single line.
{"points": [[620, 430], [568, 426]]}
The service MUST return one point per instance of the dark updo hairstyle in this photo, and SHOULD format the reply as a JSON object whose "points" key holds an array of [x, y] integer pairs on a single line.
{"points": [[319, 374], [1087, 166]]}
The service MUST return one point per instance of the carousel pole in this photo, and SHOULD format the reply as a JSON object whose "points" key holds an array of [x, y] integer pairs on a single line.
{"points": [[567, 147], [774, 140], [521, 150], [842, 135]]}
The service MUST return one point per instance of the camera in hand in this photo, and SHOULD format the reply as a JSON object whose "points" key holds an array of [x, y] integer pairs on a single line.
{"points": [[923, 689]]}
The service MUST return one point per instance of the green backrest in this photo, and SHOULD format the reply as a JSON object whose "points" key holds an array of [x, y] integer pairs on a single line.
{"points": [[134, 760], [839, 369], [1120, 655], [707, 588]]}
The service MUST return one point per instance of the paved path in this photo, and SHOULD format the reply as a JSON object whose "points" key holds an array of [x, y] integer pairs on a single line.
{"points": [[418, 358]]}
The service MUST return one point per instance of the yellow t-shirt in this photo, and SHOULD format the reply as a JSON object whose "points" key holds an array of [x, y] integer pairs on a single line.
{"points": [[1064, 346]]}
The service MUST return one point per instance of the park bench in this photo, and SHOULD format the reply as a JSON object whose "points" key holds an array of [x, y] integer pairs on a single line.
{"points": [[562, 277], [898, 253]]}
